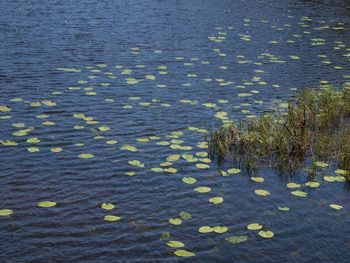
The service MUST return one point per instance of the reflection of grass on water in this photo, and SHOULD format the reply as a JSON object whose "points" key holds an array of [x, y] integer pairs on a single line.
{"points": [[316, 126]]}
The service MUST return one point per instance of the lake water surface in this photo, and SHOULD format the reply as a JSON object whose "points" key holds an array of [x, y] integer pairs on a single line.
{"points": [[130, 83]]}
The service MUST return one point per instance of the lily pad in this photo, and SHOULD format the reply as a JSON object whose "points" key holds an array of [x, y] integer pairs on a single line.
{"points": [[233, 171], [175, 221], [111, 218], [47, 204], [313, 184], [284, 209], [86, 156], [184, 253], [236, 239], [6, 212], [220, 229], [299, 193], [205, 229], [202, 189], [189, 180], [257, 179], [107, 206], [254, 226], [175, 244], [261, 192], [266, 234], [293, 185], [216, 200], [336, 207]]}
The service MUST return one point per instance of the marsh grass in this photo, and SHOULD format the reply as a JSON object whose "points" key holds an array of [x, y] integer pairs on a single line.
{"points": [[315, 126]]}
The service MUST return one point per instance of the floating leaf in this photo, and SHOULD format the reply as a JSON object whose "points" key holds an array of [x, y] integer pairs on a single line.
{"points": [[261, 192], [111, 218], [103, 128], [136, 163], [185, 216], [216, 200], [266, 234], [33, 149], [257, 179], [299, 193], [170, 170], [33, 140], [220, 229], [175, 221], [107, 206], [329, 178], [184, 253], [129, 147], [205, 229], [313, 184], [47, 204], [202, 189], [202, 166], [284, 209], [189, 180], [336, 207], [233, 171], [6, 212], [341, 172], [111, 142], [254, 226], [56, 149], [293, 185], [157, 169], [9, 143], [236, 239], [175, 244], [86, 155]]}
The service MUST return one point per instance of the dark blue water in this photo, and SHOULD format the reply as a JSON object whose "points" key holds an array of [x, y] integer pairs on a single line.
{"points": [[190, 63]]}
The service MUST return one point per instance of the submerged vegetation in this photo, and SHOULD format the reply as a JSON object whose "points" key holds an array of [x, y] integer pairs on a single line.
{"points": [[314, 127]]}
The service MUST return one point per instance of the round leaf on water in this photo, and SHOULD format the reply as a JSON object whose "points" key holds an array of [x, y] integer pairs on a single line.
{"points": [[233, 171], [329, 178], [56, 149], [185, 216], [107, 206], [184, 253], [6, 212], [293, 185], [299, 193], [284, 209], [86, 155], [220, 229], [33, 140], [111, 142], [257, 179], [216, 200], [341, 172], [336, 207], [266, 234], [261, 192], [171, 170], [128, 147], [111, 218], [175, 221], [254, 226], [189, 180], [103, 128], [46, 204], [205, 229], [33, 149], [175, 244], [236, 239], [202, 189], [202, 166], [313, 184]]}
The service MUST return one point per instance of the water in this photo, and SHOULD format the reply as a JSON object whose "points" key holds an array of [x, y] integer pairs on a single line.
{"points": [[37, 38]]}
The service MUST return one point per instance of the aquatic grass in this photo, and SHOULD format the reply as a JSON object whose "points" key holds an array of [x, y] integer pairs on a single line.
{"points": [[314, 127]]}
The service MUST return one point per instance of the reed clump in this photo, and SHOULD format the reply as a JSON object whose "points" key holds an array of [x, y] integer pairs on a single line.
{"points": [[315, 125]]}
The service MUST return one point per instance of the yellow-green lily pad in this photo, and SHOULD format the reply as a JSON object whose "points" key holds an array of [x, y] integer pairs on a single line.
{"points": [[47, 204], [266, 234], [184, 253], [254, 226], [6, 212], [111, 218], [107, 206]]}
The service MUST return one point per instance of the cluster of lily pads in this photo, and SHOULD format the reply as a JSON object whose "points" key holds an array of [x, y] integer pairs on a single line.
{"points": [[182, 152]]}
